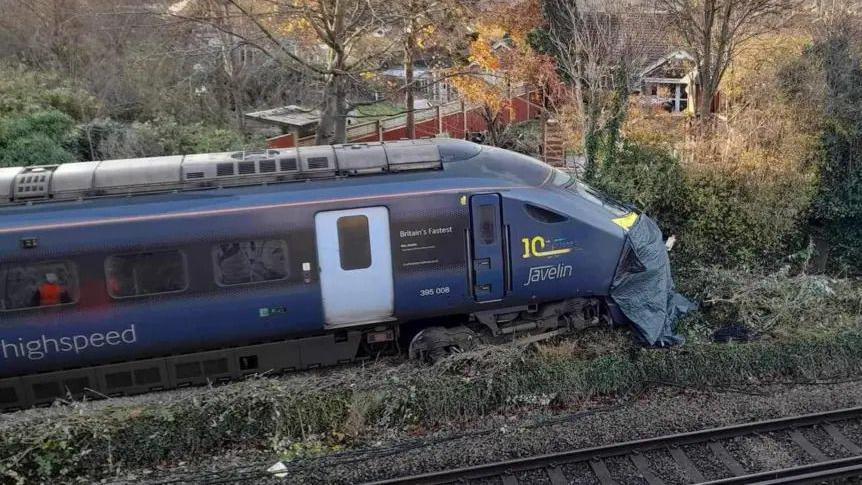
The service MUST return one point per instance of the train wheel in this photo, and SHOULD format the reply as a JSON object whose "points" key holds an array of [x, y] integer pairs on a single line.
{"points": [[434, 343]]}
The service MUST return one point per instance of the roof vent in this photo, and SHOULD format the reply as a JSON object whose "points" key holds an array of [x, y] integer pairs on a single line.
{"points": [[287, 164], [361, 158], [32, 182], [225, 169], [247, 168], [317, 163], [319, 160]]}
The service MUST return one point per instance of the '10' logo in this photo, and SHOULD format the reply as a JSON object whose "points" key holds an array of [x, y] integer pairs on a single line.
{"points": [[534, 247]]}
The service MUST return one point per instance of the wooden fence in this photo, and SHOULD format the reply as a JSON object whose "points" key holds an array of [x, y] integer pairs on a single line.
{"points": [[454, 119]]}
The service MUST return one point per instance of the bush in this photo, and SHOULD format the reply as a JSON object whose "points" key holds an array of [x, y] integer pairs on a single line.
{"points": [[24, 91], [838, 205], [273, 414], [104, 139], [736, 219], [40, 138], [649, 177], [722, 212], [776, 305]]}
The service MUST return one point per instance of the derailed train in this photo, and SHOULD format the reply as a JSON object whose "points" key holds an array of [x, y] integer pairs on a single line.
{"points": [[127, 276]]}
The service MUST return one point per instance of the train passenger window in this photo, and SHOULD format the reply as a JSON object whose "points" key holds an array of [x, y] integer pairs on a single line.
{"points": [[146, 274], [354, 242], [238, 263], [488, 223], [38, 285]]}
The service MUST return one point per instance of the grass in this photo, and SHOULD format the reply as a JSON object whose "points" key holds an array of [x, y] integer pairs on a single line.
{"points": [[309, 414]]}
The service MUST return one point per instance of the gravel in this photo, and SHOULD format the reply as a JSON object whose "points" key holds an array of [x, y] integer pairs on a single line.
{"points": [[579, 474], [706, 462], [760, 453], [659, 412], [800, 456], [823, 442], [664, 466], [623, 471]]}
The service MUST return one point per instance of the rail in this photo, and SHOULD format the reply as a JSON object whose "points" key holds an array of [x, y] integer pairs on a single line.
{"points": [[553, 465]]}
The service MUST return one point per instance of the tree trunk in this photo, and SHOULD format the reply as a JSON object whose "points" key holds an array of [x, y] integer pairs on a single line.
{"points": [[340, 132], [592, 136], [491, 123], [408, 85], [332, 127], [326, 124]]}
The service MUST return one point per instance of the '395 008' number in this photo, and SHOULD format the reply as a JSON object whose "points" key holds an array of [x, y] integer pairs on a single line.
{"points": [[442, 290]]}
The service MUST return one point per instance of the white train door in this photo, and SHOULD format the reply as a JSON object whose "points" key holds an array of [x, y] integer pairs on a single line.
{"points": [[355, 260]]}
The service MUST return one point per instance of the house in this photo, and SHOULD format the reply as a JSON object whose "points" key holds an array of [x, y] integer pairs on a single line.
{"points": [[429, 84], [667, 82], [670, 84]]}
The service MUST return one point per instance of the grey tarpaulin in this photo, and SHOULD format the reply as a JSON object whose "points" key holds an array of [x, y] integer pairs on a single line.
{"points": [[643, 286]]}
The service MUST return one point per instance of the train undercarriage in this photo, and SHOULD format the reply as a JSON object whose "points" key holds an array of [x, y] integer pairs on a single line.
{"points": [[521, 325]]}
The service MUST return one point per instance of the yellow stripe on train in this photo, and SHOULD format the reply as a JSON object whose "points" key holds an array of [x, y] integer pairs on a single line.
{"points": [[626, 221]]}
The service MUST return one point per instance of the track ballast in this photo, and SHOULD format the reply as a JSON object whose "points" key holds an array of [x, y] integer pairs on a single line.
{"points": [[590, 463]]}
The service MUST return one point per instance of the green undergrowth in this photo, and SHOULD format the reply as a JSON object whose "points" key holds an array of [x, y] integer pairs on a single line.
{"points": [[315, 413], [275, 414]]}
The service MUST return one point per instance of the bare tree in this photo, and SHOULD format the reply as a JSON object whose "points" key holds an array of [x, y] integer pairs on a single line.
{"points": [[327, 40], [424, 22], [714, 30], [600, 49]]}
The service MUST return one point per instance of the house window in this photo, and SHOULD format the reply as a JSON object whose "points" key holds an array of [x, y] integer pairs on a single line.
{"points": [[38, 285], [653, 90], [238, 263], [142, 274]]}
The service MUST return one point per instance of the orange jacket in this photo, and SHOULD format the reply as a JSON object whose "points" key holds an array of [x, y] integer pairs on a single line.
{"points": [[50, 294]]}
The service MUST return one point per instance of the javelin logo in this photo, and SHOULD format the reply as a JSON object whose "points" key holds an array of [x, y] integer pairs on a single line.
{"points": [[37, 349], [547, 273]]}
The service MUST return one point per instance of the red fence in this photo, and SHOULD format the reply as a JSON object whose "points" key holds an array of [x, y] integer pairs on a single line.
{"points": [[455, 119]]}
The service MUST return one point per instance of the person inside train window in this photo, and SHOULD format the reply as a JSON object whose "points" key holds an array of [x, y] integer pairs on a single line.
{"points": [[37, 285], [50, 292], [250, 262]]}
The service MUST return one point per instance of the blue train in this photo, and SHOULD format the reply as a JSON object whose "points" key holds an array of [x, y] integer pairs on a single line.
{"points": [[127, 276]]}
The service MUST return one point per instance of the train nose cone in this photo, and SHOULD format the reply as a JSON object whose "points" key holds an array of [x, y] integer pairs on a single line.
{"points": [[643, 287]]}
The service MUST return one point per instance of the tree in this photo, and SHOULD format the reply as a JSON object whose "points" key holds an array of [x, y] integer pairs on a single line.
{"points": [[330, 41], [599, 53], [423, 23], [713, 31], [501, 57], [837, 85]]}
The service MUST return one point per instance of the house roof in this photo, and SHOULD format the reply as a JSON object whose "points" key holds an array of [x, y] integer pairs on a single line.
{"points": [[675, 65], [290, 116]]}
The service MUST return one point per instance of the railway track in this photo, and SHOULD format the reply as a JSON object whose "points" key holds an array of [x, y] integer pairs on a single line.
{"points": [[649, 459]]}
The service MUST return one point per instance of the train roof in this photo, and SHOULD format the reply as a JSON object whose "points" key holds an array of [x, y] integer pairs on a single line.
{"points": [[85, 180], [356, 171]]}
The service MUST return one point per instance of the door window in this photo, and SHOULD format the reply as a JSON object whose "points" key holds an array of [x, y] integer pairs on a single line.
{"points": [[488, 224], [354, 242]]}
